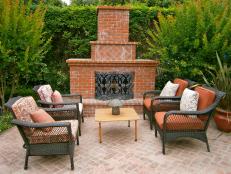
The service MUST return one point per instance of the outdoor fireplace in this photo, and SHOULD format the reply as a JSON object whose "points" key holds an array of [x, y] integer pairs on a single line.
{"points": [[111, 85], [113, 70]]}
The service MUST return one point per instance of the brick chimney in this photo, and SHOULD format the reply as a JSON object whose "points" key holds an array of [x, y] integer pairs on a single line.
{"points": [[113, 35]]}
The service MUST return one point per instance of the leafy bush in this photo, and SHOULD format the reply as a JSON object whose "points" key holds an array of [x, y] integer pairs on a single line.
{"points": [[163, 3], [141, 20], [187, 42], [5, 121], [22, 46], [221, 79]]}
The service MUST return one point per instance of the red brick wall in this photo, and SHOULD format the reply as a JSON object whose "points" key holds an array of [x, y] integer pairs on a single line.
{"points": [[105, 51], [113, 23], [82, 75]]}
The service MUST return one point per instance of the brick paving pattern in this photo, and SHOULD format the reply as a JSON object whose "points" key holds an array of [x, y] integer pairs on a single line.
{"points": [[120, 154]]}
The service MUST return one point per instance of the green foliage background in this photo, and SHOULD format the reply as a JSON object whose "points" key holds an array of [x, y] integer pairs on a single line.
{"points": [[188, 41], [22, 45]]}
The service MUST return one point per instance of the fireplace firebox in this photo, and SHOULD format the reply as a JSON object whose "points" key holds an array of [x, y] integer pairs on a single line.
{"points": [[111, 85]]}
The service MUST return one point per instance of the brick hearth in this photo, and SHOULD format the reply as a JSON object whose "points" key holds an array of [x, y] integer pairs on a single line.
{"points": [[111, 52]]}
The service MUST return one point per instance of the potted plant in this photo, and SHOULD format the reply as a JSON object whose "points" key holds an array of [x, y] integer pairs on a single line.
{"points": [[221, 79]]}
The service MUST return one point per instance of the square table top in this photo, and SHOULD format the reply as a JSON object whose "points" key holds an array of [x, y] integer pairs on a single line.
{"points": [[125, 115]]}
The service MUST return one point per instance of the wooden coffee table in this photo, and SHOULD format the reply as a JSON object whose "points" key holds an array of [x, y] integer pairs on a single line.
{"points": [[126, 114]]}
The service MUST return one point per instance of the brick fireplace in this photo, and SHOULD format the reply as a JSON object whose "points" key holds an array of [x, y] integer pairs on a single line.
{"points": [[111, 53]]}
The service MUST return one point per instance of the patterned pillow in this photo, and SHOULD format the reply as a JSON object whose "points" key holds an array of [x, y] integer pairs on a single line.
{"points": [[57, 98], [22, 109], [189, 101], [45, 92], [169, 89]]}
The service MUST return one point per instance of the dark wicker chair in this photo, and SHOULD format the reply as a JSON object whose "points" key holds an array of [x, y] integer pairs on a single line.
{"points": [[152, 102], [59, 140], [173, 124], [71, 108]]}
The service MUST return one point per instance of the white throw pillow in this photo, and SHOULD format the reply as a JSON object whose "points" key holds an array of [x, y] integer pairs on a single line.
{"points": [[45, 92], [189, 101], [169, 89]]}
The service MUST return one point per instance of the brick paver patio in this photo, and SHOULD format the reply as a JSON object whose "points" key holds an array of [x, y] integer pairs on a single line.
{"points": [[120, 154]]}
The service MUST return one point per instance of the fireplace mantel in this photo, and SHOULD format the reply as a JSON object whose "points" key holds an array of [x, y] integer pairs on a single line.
{"points": [[89, 63]]}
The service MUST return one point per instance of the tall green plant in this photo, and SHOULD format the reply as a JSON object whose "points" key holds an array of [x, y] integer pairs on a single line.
{"points": [[187, 41], [221, 79], [22, 46]]}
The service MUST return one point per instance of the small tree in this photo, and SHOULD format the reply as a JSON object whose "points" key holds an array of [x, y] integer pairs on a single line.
{"points": [[187, 41], [22, 46]]}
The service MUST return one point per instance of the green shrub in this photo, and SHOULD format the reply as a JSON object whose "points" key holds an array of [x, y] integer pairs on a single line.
{"points": [[22, 46], [141, 20], [5, 121], [188, 41], [163, 3]]}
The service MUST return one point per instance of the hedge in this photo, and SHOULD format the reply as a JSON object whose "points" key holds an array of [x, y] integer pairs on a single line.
{"points": [[73, 27]]}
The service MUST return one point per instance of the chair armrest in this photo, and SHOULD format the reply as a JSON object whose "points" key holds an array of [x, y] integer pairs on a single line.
{"points": [[63, 103], [62, 127], [153, 93], [163, 98], [39, 125], [166, 105], [201, 112], [64, 113]]}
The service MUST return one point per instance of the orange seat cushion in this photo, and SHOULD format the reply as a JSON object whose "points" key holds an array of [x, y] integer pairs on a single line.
{"points": [[206, 98], [182, 85], [180, 122]]}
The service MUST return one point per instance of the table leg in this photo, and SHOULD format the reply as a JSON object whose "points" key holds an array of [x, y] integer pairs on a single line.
{"points": [[100, 133], [128, 123], [135, 130]]}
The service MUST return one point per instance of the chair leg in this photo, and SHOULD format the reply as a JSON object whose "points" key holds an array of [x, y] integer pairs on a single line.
{"points": [[82, 118], [77, 139], [72, 162], [143, 114], [155, 132], [151, 127], [207, 144], [26, 161], [150, 120], [163, 144], [79, 130]]}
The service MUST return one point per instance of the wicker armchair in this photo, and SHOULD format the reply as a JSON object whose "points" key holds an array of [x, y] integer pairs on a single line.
{"points": [[173, 124], [72, 106], [58, 139], [152, 102]]}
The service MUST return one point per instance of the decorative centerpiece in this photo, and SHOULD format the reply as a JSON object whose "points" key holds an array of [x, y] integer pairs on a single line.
{"points": [[115, 104]]}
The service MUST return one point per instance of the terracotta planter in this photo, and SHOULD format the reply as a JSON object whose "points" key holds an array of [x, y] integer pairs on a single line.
{"points": [[222, 119]]}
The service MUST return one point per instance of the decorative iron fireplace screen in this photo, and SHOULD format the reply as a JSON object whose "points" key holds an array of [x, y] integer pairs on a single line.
{"points": [[111, 85]]}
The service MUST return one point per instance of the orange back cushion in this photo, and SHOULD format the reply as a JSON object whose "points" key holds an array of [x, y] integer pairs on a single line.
{"points": [[182, 85], [41, 116], [206, 97], [56, 97]]}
